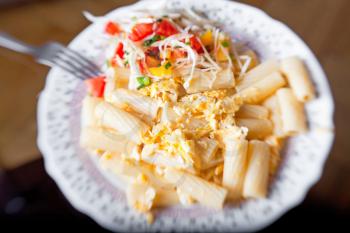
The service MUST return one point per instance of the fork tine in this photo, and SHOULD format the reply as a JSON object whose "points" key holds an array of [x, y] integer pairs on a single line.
{"points": [[80, 58], [78, 67], [64, 66]]}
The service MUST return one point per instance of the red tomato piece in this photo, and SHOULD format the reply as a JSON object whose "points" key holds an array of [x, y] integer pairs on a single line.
{"points": [[178, 53], [165, 28], [140, 31], [112, 28], [195, 44], [152, 57], [96, 85], [119, 50], [142, 66]]}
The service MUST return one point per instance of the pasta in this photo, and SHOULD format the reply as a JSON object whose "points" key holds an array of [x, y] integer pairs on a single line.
{"points": [[126, 124], [298, 78], [253, 111], [262, 89], [183, 115], [202, 191], [292, 113], [235, 166], [275, 115], [136, 101], [257, 128], [258, 73], [255, 183]]}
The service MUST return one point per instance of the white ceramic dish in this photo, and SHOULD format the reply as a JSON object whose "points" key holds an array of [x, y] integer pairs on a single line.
{"points": [[96, 192]]}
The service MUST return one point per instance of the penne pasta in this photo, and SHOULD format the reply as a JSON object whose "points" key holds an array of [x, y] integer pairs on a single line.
{"points": [[276, 145], [262, 89], [126, 124], [120, 79], [257, 128], [256, 180], [140, 196], [292, 112], [127, 168], [204, 81], [207, 149], [102, 139], [137, 102], [201, 190], [161, 158], [166, 197], [272, 104], [257, 74], [298, 78], [252, 111], [88, 111], [235, 165], [168, 115]]}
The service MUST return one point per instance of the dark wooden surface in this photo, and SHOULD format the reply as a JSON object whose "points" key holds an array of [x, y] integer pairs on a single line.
{"points": [[323, 24]]}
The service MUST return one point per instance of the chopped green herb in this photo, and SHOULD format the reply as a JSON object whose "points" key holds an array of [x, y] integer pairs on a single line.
{"points": [[143, 81], [167, 65], [225, 43], [149, 42], [188, 43], [126, 62]]}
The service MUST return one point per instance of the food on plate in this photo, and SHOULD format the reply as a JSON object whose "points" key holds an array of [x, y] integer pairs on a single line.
{"points": [[186, 114]]}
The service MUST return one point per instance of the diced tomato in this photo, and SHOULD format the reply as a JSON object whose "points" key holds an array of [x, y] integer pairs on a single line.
{"points": [[140, 31], [152, 57], [142, 66], [152, 62], [96, 85], [178, 53], [119, 50], [165, 28], [153, 52], [112, 28], [195, 44]]}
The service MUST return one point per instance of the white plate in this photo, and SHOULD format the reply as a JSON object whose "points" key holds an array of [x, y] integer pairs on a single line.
{"points": [[95, 193]]}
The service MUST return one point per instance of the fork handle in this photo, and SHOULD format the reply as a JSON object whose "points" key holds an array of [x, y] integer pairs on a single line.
{"points": [[12, 43]]}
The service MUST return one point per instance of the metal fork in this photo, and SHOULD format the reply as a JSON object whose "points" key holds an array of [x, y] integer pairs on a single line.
{"points": [[54, 54]]}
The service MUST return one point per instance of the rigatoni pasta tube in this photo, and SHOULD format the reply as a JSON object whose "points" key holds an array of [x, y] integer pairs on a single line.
{"points": [[262, 89], [256, 180], [258, 73], [99, 138], [126, 124], [116, 164], [235, 165], [136, 101], [88, 111], [252, 111], [201, 190], [275, 115], [119, 80], [257, 128], [298, 78], [205, 81], [292, 112]]}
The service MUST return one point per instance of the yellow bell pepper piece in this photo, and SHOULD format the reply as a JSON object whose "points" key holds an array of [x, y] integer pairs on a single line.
{"points": [[207, 38], [220, 55], [161, 71]]}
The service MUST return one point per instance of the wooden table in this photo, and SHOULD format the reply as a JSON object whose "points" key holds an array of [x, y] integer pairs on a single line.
{"points": [[323, 24]]}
